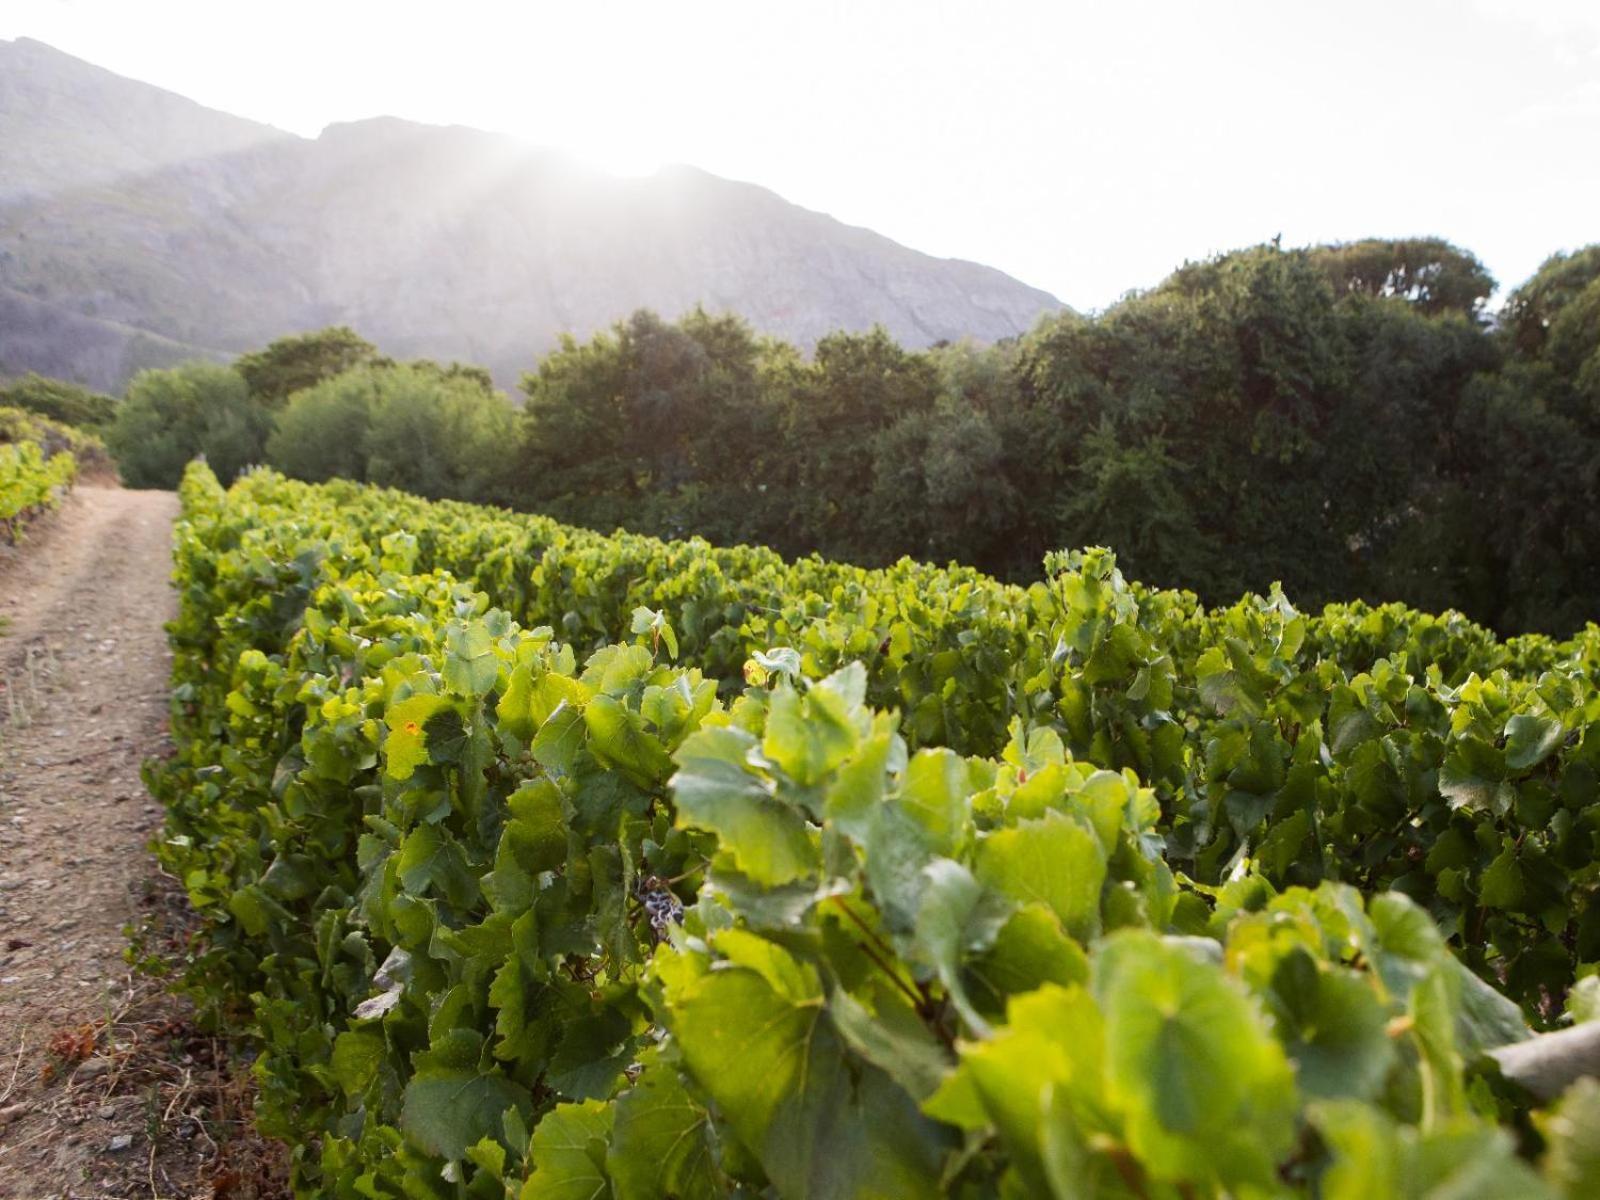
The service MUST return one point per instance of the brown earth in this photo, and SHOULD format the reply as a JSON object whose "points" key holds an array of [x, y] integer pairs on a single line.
{"points": [[106, 1088]]}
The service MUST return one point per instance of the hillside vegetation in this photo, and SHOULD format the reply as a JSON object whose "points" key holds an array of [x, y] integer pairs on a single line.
{"points": [[1345, 420], [39, 460], [62, 402]]}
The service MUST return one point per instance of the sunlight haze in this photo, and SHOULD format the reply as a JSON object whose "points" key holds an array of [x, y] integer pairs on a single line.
{"points": [[1085, 149]]}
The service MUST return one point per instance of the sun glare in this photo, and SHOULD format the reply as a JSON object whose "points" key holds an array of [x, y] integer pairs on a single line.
{"points": [[623, 159]]}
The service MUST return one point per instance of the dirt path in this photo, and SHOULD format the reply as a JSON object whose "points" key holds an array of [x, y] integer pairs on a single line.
{"points": [[84, 664]]}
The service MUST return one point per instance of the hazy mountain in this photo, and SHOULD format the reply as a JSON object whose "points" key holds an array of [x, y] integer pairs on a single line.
{"points": [[137, 228], [65, 123]]}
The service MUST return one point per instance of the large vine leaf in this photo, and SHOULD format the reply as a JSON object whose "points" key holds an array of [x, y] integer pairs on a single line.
{"points": [[662, 1144], [617, 737], [1054, 861], [568, 1153], [1205, 1089], [823, 1127], [447, 1109], [713, 789]]}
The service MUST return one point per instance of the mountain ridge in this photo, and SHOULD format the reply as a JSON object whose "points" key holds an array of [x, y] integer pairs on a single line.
{"points": [[207, 234]]}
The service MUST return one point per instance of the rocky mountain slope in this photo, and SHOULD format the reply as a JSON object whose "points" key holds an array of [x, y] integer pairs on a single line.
{"points": [[137, 228]]}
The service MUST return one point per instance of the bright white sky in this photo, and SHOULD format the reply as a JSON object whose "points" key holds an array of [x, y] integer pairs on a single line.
{"points": [[1086, 148]]}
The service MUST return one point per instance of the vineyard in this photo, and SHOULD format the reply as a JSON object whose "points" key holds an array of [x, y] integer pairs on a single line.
{"points": [[37, 466], [550, 864]]}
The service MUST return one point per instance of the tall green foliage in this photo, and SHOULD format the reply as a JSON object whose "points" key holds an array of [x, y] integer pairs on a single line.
{"points": [[172, 416], [660, 427], [1531, 468], [1344, 420], [1427, 273], [430, 431], [292, 364]]}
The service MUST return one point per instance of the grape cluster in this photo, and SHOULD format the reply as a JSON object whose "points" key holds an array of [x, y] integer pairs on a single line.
{"points": [[662, 907]]}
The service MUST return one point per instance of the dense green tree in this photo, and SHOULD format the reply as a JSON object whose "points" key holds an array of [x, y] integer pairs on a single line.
{"points": [[1345, 419], [1526, 477], [938, 486], [417, 427], [454, 370], [995, 529], [835, 419], [60, 401], [1430, 274], [658, 426], [446, 436], [1532, 311], [1401, 435], [321, 433], [292, 364], [1248, 421], [1228, 376], [1342, 419], [171, 416], [1531, 452]]}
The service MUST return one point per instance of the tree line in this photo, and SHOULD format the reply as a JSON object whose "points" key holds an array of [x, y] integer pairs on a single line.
{"points": [[1350, 420]]}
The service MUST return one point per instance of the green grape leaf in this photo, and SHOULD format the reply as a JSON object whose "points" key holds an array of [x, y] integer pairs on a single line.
{"points": [[447, 1109], [560, 740], [1502, 884], [1052, 1045], [649, 621], [358, 1055], [593, 1053], [894, 1039], [617, 737], [662, 1144], [934, 791], [568, 1153], [957, 917], [1055, 861], [823, 1127], [406, 747], [857, 790], [1375, 1159], [490, 1155], [808, 736], [527, 703], [1530, 740], [431, 861], [1333, 1025], [1205, 1089], [1472, 778], [1029, 951], [769, 840], [470, 663], [1583, 1001], [1572, 1138]]}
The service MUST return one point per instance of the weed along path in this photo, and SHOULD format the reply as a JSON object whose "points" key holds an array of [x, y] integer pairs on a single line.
{"points": [[83, 663]]}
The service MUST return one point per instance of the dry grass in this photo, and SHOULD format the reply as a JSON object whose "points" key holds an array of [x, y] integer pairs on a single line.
{"points": [[160, 1109]]}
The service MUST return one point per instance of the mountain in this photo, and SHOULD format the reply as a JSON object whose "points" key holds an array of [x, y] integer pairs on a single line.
{"points": [[138, 228], [65, 123]]}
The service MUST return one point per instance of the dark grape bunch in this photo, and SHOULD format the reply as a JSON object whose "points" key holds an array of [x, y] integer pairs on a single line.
{"points": [[662, 907]]}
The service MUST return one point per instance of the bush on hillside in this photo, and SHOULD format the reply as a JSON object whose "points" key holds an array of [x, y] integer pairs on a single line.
{"points": [[61, 401], [173, 416], [418, 427]]}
